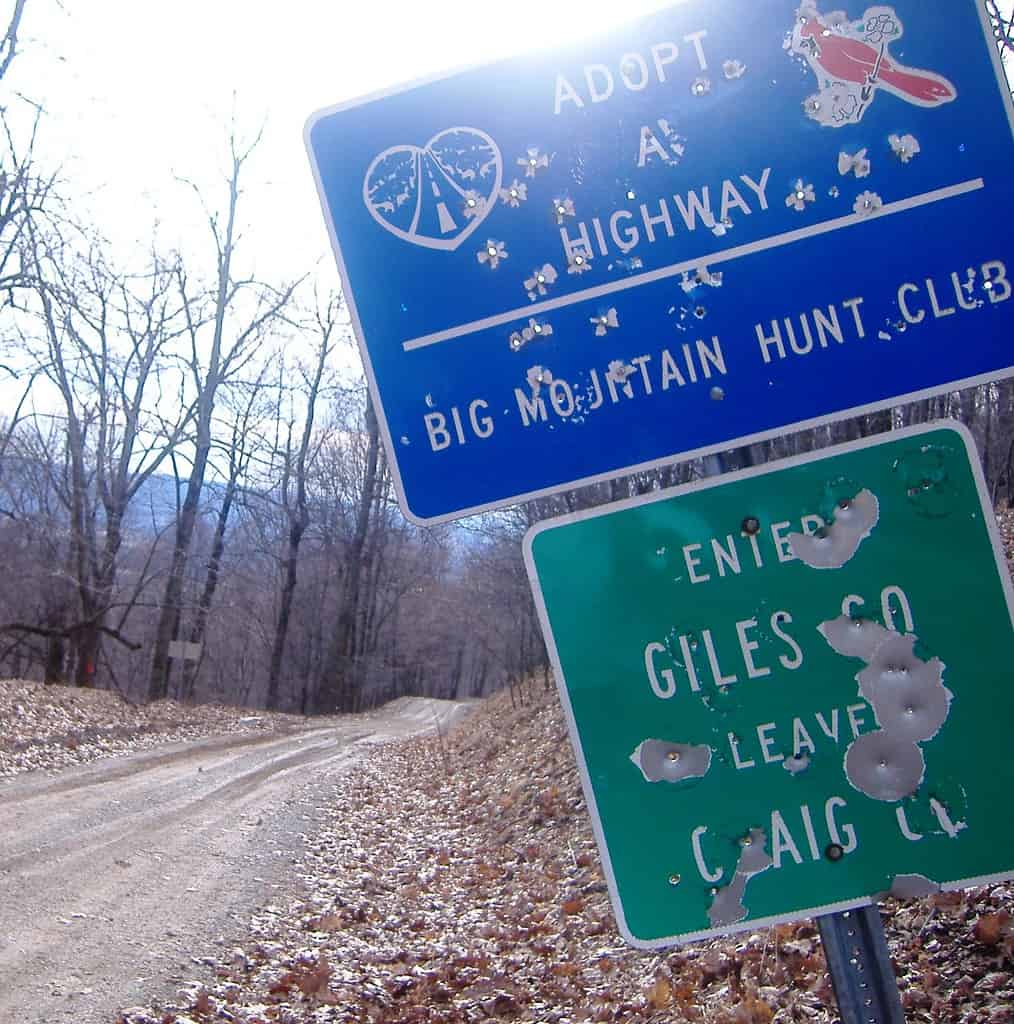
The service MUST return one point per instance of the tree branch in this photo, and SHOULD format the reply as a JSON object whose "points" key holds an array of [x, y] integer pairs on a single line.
{"points": [[69, 631], [9, 43]]}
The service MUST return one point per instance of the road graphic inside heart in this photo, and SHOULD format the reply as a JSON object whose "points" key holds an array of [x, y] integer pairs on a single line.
{"points": [[435, 195]]}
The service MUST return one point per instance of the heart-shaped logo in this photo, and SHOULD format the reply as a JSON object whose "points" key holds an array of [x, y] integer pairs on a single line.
{"points": [[438, 194]]}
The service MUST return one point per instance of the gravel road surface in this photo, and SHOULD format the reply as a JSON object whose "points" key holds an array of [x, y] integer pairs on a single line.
{"points": [[114, 875]]}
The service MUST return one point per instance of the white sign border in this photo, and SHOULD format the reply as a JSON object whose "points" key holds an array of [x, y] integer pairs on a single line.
{"points": [[750, 924]]}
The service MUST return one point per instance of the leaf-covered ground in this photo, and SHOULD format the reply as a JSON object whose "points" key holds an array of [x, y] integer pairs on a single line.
{"points": [[52, 727], [457, 880], [1005, 518]]}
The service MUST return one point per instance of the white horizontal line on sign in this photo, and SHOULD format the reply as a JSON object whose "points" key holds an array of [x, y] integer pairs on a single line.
{"points": [[676, 269]]}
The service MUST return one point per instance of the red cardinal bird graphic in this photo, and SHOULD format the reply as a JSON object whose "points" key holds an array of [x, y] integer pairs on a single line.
{"points": [[851, 61]]}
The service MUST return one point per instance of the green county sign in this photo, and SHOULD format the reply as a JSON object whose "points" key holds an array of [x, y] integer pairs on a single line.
{"points": [[791, 689]]}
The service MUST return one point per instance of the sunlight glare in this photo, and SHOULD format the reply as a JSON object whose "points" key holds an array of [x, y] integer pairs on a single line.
{"points": [[421, 40]]}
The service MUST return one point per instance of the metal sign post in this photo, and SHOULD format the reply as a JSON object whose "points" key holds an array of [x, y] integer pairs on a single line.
{"points": [[860, 966], [714, 224], [773, 681]]}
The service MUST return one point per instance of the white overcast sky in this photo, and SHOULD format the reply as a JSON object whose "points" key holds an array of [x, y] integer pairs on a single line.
{"points": [[139, 91]]}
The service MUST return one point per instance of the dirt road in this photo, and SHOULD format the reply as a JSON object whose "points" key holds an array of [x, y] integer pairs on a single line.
{"points": [[113, 875]]}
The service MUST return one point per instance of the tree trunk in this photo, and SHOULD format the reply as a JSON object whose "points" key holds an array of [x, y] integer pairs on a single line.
{"points": [[297, 527], [299, 515], [169, 618], [56, 647], [337, 688], [86, 640], [97, 595], [200, 627]]}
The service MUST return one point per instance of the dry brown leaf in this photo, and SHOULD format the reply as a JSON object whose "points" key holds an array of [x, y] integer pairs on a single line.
{"points": [[283, 986], [311, 982], [990, 928], [757, 1010], [327, 923], [660, 994]]}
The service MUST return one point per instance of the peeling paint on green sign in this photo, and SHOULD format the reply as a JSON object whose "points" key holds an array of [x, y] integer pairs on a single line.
{"points": [[791, 689]]}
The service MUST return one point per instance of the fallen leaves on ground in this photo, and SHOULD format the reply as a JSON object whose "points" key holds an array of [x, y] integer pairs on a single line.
{"points": [[52, 727], [458, 880]]}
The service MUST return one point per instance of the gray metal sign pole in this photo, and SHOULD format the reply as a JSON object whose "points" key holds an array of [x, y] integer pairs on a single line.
{"points": [[860, 966]]}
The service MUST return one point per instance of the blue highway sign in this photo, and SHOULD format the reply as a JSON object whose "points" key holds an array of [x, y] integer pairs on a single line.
{"points": [[717, 223]]}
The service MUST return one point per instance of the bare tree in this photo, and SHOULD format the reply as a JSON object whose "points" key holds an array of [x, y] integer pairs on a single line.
{"points": [[24, 190], [34, 537], [326, 322], [239, 313], [8, 427], [338, 685], [106, 350], [1003, 24], [27, 196], [239, 454]]}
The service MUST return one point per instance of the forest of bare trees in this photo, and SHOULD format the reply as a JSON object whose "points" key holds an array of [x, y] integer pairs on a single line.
{"points": [[194, 498]]}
